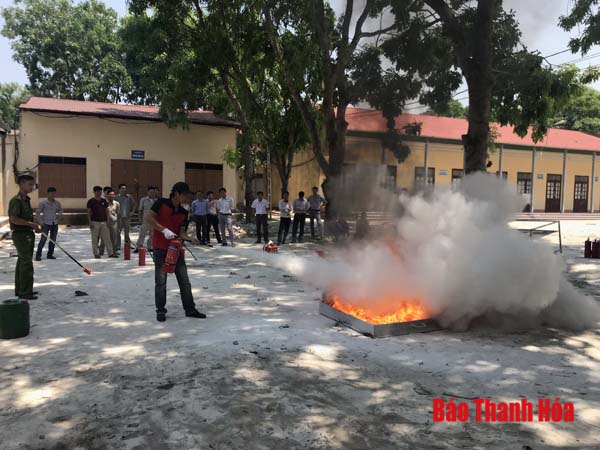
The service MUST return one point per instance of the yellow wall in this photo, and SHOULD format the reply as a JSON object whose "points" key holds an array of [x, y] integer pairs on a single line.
{"points": [[7, 185], [100, 140], [445, 157]]}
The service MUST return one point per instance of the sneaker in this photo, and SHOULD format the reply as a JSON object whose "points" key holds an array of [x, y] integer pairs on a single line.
{"points": [[161, 317], [50, 257], [195, 313], [28, 297], [38, 258]]}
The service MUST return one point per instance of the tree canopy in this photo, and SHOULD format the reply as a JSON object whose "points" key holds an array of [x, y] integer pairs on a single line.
{"points": [[581, 112], [69, 50], [11, 96]]}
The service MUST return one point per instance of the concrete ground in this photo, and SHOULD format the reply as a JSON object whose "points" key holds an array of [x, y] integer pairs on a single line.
{"points": [[265, 370]]}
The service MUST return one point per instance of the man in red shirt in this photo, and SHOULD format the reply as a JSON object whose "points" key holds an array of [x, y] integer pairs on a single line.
{"points": [[168, 218]]}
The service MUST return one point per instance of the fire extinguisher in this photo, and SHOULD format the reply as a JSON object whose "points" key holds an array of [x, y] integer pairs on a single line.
{"points": [[127, 251], [142, 256], [587, 252], [172, 256], [270, 247]]}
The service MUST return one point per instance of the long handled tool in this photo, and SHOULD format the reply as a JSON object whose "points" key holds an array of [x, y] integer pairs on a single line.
{"points": [[87, 270], [191, 253]]}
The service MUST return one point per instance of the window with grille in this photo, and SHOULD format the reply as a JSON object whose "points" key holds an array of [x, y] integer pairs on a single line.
{"points": [[420, 177], [457, 176], [581, 187], [524, 181], [553, 187]]}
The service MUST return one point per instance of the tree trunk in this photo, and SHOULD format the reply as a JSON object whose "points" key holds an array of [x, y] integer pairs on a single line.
{"points": [[248, 160], [478, 134], [477, 70]]}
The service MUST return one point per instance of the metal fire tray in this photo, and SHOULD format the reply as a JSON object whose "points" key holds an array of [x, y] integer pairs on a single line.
{"points": [[378, 331]]}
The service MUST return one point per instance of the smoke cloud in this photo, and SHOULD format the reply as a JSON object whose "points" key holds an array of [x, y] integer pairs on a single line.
{"points": [[455, 252]]}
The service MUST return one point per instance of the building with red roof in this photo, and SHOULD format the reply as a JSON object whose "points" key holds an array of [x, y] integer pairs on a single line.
{"points": [[557, 174]]}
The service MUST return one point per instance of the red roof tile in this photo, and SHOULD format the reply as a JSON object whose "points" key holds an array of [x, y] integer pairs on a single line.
{"points": [[112, 110], [367, 120]]}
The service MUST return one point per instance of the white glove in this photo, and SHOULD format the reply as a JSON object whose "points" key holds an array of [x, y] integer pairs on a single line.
{"points": [[168, 234]]}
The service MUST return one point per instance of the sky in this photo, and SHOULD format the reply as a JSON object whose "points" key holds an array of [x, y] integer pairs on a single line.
{"points": [[538, 20]]}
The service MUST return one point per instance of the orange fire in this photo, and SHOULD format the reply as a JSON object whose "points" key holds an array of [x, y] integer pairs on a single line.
{"points": [[396, 310]]}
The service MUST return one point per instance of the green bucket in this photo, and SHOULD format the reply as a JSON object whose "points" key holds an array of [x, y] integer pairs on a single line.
{"points": [[14, 319]]}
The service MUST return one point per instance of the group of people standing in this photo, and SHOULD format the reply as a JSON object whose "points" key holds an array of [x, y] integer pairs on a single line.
{"points": [[207, 212], [110, 217], [301, 208]]}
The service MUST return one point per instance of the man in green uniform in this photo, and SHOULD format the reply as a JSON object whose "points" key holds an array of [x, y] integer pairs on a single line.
{"points": [[23, 227]]}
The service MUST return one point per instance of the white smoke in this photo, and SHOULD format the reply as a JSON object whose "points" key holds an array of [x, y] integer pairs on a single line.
{"points": [[456, 253]]}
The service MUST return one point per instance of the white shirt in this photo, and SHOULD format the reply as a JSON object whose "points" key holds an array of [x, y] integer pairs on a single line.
{"points": [[225, 205], [260, 206], [285, 208]]}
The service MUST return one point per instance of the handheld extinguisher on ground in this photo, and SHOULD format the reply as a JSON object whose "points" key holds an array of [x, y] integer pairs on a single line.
{"points": [[172, 256], [142, 256]]}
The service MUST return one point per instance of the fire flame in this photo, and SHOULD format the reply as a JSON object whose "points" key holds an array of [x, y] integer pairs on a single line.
{"points": [[396, 310]]}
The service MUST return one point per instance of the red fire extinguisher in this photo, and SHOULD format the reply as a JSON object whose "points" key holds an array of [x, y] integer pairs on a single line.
{"points": [[270, 248], [172, 256], [142, 256], [127, 251]]}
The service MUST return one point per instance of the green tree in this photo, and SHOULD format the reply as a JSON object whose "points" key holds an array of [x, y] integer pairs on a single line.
{"points": [[11, 96], [68, 50], [213, 54], [447, 41], [453, 108], [581, 113]]}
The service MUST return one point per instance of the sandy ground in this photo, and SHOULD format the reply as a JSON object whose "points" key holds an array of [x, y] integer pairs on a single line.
{"points": [[265, 370]]}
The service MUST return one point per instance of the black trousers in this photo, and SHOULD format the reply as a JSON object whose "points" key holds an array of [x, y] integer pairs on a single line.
{"points": [[284, 229], [160, 282], [262, 222], [299, 222], [202, 228], [213, 222]]}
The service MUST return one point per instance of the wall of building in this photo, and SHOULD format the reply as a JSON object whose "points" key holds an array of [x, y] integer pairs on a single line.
{"points": [[444, 157], [100, 140]]}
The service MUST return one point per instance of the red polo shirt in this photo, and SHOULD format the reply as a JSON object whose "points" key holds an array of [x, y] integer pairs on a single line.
{"points": [[170, 217]]}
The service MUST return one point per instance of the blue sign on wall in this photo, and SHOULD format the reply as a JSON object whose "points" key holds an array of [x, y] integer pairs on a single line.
{"points": [[138, 154]]}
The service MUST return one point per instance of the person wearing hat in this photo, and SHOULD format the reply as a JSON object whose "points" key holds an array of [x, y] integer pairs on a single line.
{"points": [[168, 218]]}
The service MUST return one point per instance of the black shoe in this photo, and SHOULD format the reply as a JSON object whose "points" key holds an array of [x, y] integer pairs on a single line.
{"points": [[50, 257], [224, 244], [38, 258], [195, 313], [208, 244], [28, 297], [136, 251], [97, 256], [161, 317], [114, 255]]}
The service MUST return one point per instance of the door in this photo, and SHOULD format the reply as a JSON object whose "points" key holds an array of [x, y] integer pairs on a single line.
{"points": [[204, 177], [553, 191], [580, 199], [137, 175]]}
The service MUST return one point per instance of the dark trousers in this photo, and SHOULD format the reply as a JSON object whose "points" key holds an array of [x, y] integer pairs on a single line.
{"points": [[213, 222], [160, 282], [262, 222], [202, 228], [284, 229], [24, 241], [299, 221], [52, 231]]}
